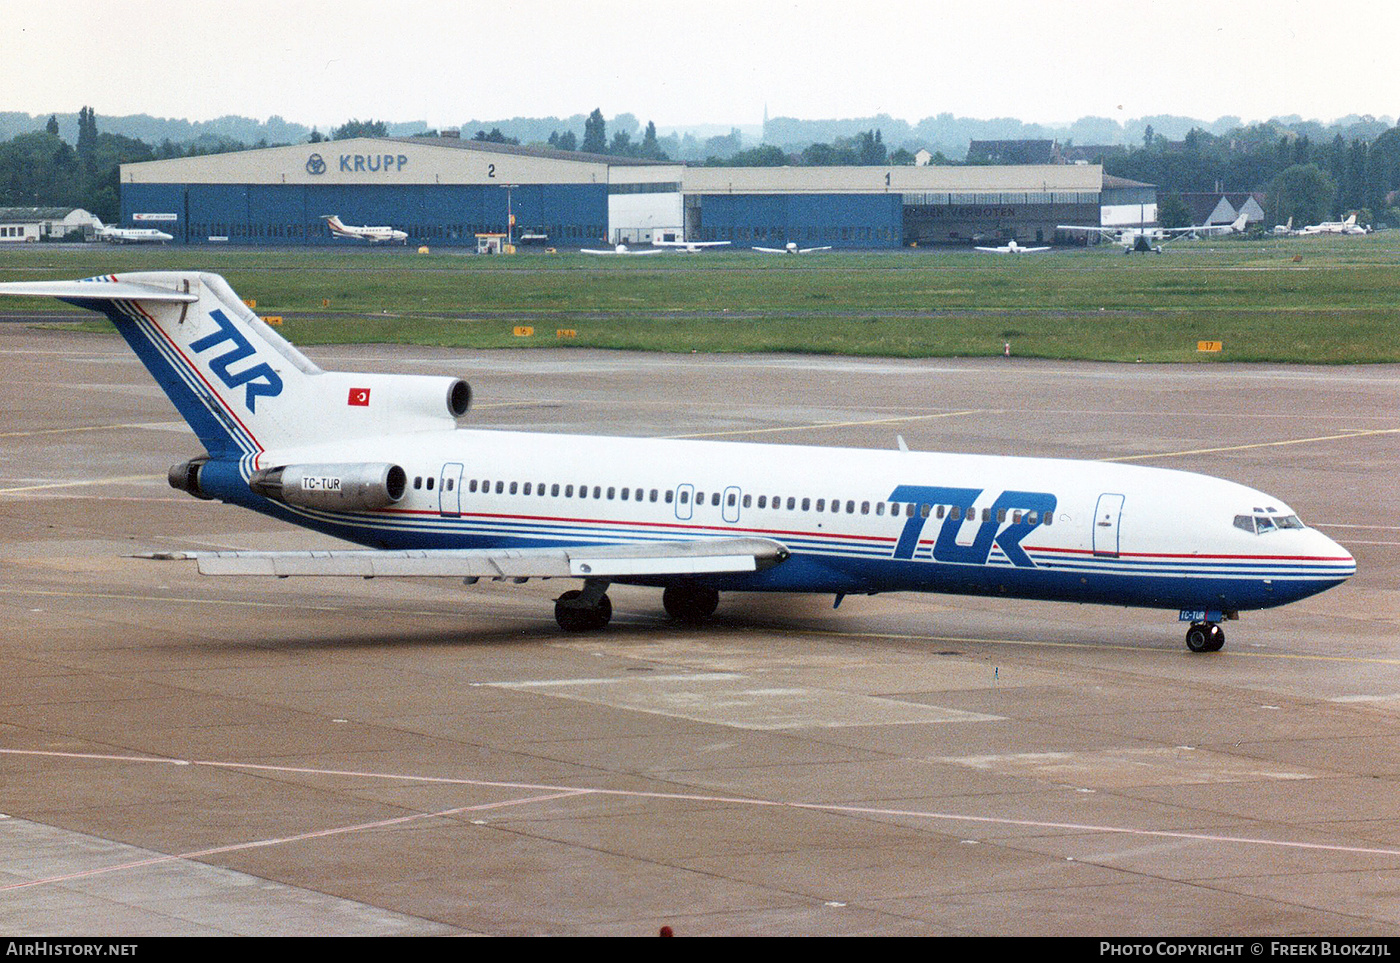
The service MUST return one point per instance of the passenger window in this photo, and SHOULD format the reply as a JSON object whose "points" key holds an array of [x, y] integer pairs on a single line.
{"points": [[955, 513], [939, 513], [430, 483], [792, 502], [1049, 517], [1001, 516], [450, 483], [908, 509], [821, 504], [1032, 518], [611, 492], [879, 508], [568, 491], [669, 495], [583, 491], [418, 482], [714, 498], [526, 489], [850, 507], [597, 491], [653, 495], [806, 503], [554, 490], [513, 487], [500, 487], [748, 500], [865, 508], [685, 498], [762, 501], [924, 510], [624, 494]]}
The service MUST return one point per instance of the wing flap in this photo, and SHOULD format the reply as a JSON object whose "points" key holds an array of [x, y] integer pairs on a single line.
{"points": [[700, 557]]}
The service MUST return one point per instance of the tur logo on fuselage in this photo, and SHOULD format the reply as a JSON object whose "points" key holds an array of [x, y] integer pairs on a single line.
{"points": [[961, 500], [259, 378]]}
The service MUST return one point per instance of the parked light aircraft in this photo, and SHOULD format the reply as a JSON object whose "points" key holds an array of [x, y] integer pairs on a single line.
{"points": [[129, 235], [1151, 239], [620, 249], [791, 248], [379, 459], [689, 247], [1013, 248], [1349, 226], [1284, 230], [375, 235]]}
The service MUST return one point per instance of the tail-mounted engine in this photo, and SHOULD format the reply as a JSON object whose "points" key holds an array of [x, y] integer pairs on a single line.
{"points": [[185, 476], [356, 487]]}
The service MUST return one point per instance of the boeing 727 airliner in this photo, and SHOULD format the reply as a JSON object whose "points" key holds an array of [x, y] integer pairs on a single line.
{"points": [[379, 459]]}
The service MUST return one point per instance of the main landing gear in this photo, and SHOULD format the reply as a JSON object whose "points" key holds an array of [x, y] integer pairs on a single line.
{"points": [[1205, 637], [584, 610], [689, 603]]}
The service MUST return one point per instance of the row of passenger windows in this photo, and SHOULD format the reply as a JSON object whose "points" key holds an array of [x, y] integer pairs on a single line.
{"points": [[732, 499]]}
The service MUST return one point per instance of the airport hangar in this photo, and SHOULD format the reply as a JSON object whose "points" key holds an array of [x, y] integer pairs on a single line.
{"points": [[445, 192]]}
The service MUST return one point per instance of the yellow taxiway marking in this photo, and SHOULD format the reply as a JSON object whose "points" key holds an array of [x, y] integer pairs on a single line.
{"points": [[119, 480], [1360, 433], [65, 431], [1031, 643], [832, 424]]}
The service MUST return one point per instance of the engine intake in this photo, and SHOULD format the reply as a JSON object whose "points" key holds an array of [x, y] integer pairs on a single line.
{"points": [[355, 487]]}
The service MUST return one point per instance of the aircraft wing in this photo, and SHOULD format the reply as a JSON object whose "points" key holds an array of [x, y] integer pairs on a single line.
{"points": [[808, 250], [1086, 227], [633, 559], [771, 250], [96, 289]]}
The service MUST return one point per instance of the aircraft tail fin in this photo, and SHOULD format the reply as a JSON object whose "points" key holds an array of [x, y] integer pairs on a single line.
{"points": [[241, 386], [1238, 225], [1350, 221]]}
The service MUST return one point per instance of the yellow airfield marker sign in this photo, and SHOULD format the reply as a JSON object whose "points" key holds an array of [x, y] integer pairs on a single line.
{"points": [[524, 331], [1209, 345], [566, 333]]}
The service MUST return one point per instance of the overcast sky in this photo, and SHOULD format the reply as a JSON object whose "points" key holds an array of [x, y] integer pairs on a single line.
{"points": [[700, 61]]}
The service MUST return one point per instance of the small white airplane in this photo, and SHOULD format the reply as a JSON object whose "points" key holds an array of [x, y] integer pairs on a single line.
{"points": [[380, 460], [620, 249], [1284, 230], [375, 235], [688, 247], [1349, 226], [791, 248], [1013, 248], [129, 235], [1146, 240]]}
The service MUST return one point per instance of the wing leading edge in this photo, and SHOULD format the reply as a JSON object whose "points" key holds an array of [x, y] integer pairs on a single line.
{"points": [[643, 559]]}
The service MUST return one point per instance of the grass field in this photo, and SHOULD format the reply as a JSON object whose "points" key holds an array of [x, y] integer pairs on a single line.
{"points": [[1317, 299]]}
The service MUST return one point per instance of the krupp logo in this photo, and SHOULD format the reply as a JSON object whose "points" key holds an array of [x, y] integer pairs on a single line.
{"points": [[260, 378], [315, 164]]}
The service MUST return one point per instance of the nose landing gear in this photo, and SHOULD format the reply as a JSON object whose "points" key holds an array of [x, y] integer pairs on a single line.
{"points": [[1205, 637]]}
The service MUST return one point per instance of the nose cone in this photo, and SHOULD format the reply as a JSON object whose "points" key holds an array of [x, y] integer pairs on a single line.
{"points": [[1339, 559]]}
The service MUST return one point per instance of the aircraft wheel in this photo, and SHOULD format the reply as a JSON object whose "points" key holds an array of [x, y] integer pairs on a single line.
{"points": [[577, 618], [689, 603], [1198, 637], [1217, 638]]}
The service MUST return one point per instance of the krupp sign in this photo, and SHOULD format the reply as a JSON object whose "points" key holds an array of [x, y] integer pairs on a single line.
{"points": [[372, 163]]}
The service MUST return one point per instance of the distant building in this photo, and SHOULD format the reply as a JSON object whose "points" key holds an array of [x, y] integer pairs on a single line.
{"points": [[1090, 153], [1125, 203], [1013, 152], [922, 157], [1214, 207], [20, 224]]}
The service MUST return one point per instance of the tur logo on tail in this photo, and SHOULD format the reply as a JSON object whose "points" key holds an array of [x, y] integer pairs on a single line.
{"points": [[260, 378]]}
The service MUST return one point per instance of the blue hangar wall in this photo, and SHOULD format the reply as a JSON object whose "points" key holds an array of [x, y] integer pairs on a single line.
{"points": [[841, 220], [444, 214]]}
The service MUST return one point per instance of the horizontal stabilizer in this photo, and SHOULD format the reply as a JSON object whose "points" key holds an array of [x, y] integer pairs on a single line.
{"points": [[630, 560], [96, 290]]}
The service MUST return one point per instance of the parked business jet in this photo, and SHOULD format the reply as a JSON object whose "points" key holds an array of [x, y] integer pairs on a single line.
{"points": [[620, 249], [1349, 226], [791, 248], [375, 235], [1013, 248], [379, 459], [1146, 240], [689, 247], [129, 235]]}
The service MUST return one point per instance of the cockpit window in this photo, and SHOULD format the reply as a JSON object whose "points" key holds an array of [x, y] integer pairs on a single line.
{"points": [[1262, 524]]}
